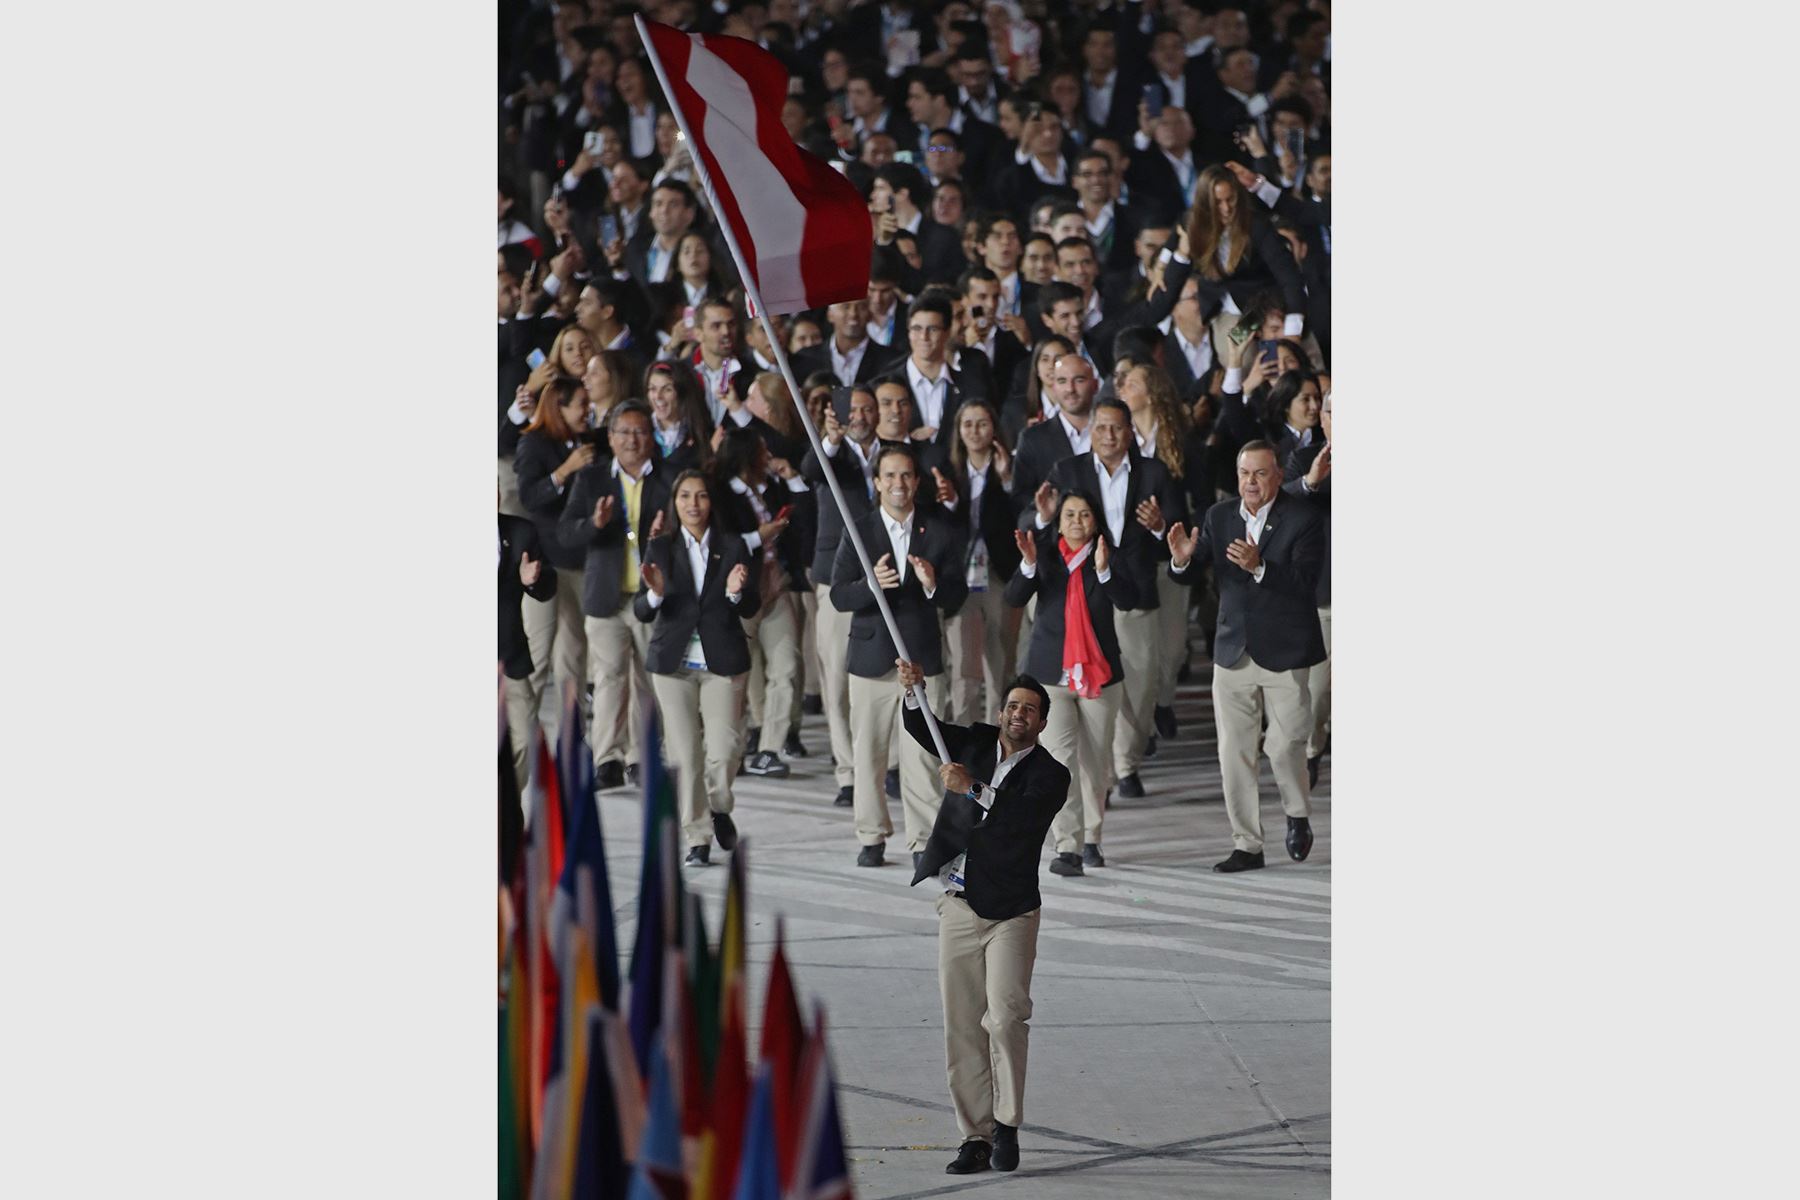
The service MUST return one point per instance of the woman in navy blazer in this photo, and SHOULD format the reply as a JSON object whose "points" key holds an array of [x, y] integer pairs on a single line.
{"points": [[1080, 732], [698, 661]]}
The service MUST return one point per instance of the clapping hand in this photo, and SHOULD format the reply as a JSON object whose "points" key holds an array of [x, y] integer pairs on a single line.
{"points": [[1046, 502], [603, 511], [529, 569], [1102, 555], [656, 526], [1244, 554], [1181, 544], [885, 575], [1150, 515], [946, 491], [653, 578], [1003, 462], [1321, 467], [1027, 547], [734, 582], [925, 571]]}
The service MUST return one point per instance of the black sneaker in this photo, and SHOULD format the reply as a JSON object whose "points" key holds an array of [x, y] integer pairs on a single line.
{"points": [[1006, 1147], [1131, 787], [1165, 721], [752, 739], [892, 784], [1067, 864], [1312, 770], [846, 798], [871, 856], [609, 774], [793, 747], [698, 856], [974, 1156], [1090, 857], [767, 763], [725, 831], [812, 704]]}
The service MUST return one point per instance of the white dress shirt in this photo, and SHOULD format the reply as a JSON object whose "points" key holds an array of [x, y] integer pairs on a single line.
{"points": [[1253, 530], [846, 365], [694, 659], [1114, 486], [1099, 96], [929, 395], [1199, 357], [900, 533], [643, 130], [1174, 89]]}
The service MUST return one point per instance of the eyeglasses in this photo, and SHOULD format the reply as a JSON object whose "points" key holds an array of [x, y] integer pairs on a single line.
{"points": [[1102, 173]]}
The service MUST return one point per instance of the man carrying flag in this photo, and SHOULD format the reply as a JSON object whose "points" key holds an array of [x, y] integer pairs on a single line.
{"points": [[1001, 791]]}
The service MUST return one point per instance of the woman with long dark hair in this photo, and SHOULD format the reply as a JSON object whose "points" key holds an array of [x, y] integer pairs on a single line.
{"points": [[695, 582], [679, 420], [551, 450], [1237, 253], [1074, 645], [1291, 413], [984, 633]]}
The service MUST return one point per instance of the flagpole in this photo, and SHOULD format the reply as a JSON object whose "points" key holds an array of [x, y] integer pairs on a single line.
{"points": [[787, 373]]}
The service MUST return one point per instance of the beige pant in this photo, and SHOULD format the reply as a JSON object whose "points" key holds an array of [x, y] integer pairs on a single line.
{"points": [[1171, 634], [875, 728], [1241, 693], [980, 640], [1318, 685], [833, 639], [558, 641], [1078, 736], [984, 973], [1137, 655], [698, 705], [617, 648], [809, 642], [775, 671], [521, 723]]}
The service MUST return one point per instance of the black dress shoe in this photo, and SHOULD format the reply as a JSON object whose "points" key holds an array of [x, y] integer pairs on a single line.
{"points": [[1131, 787], [724, 831], [1312, 770], [1090, 857], [609, 774], [871, 856], [846, 798], [974, 1156], [1150, 748], [918, 860], [812, 704], [766, 763], [1165, 721], [793, 747], [1299, 838], [752, 739], [1006, 1147], [698, 856], [892, 784], [1067, 864], [1240, 860]]}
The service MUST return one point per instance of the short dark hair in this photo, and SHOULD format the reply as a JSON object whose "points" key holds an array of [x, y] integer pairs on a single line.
{"points": [[717, 302], [1039, 236], [928, 303], [985, 222], [1139, 343], [1090, 152], [975, 274], [629, 408], [1061, 208], [679, 188], [1052, 293], [893, 377], [1022, 680], [944, 133], [1076, 242], [904, 177], [901, 448], [1113, 402], [1259, 444], [1292, 104], [936, 82]]}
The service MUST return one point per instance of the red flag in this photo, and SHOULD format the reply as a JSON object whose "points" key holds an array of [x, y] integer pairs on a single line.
{"points": [[802, 228], [543, 865], [730, 1104], [783, 1043]]}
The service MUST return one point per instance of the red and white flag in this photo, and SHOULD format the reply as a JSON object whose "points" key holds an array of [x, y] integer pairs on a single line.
{"points": [[803, 228]]}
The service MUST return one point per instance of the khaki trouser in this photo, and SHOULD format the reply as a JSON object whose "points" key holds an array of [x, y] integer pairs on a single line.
{"points": [[775, 671], [1171, 634], [1318, 686], [1136, 628], [698, 705], [558, 641], [521, 723], [809, 642], [875, 728], [1078, 736], [981, 641], [1241, 693], [984, 973], [617, 648], [833, 638]]}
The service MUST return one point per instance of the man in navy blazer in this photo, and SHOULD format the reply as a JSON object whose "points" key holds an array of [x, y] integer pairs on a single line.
{"points": [[1265, 550]]}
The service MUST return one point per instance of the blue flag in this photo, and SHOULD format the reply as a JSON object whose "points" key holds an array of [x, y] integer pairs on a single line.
{"points": [[757, 1175]]}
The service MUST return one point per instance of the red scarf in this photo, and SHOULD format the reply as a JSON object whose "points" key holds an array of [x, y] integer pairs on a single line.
{"points": [[1083, 662]]}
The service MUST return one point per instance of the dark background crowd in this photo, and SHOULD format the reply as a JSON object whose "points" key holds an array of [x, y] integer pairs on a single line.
{"points": [[1097, 333]]}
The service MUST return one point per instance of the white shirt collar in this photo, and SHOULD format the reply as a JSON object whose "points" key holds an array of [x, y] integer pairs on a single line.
{"points": [[1124, 467], [1098, 225], [900, 528], [649, 465]]}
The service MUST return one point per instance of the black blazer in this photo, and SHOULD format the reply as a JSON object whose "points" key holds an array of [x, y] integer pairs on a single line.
{"points": [[538, 454], [719, 621], [818, 358], [1299, 462], [519, 537], [830, 528], [734, 512], [1276, 621], [1003, 843], [1138, 551], [1044, 652], [1149, 311], [1269, 265], [973, 379], [872, 651], [603, 550], [999, 514]]}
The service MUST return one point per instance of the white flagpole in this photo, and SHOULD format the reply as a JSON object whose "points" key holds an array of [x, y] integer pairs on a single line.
{"points": [[787, 373]]}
